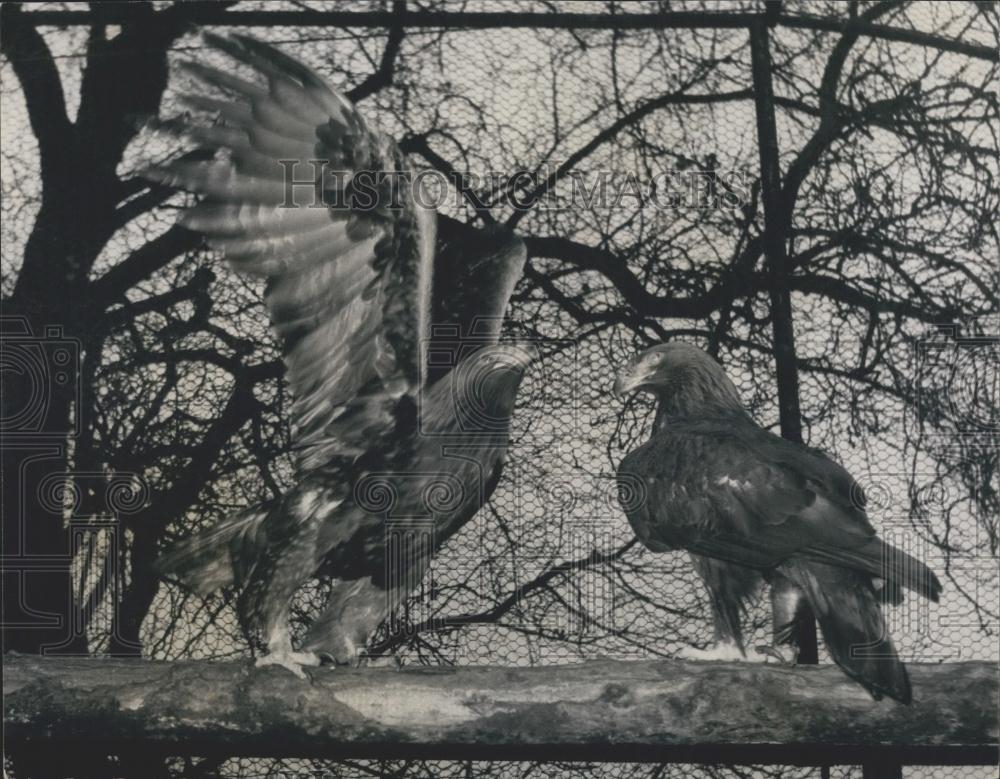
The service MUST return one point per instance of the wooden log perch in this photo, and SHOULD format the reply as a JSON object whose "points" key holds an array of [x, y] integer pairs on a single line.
{"points": [[665, 710]]}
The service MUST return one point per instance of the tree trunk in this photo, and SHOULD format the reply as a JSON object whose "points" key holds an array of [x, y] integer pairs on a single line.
{"points": [[777, 220]]}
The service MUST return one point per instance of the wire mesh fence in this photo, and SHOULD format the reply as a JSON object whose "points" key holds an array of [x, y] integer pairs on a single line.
{"points": [[895, 316], [257, 768], [284, 769]]}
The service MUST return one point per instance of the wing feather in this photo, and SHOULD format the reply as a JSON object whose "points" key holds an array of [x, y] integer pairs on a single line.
{"points": [[234, 113], [730, 491], [735, 492], [221, 180], [253, 219], [348, 290], [222, 80]]}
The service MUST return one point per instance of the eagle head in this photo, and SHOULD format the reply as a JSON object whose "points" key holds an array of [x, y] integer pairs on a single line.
{"points": [[500, 367], [483, 387], [683, 377]]}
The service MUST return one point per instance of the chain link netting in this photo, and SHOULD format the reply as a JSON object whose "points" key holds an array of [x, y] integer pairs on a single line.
{"points": [[290, 769], [548, 572]]}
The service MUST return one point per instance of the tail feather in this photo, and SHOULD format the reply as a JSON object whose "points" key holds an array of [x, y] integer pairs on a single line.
{"points": [[851, 621], [884, 561], [204, 562]]}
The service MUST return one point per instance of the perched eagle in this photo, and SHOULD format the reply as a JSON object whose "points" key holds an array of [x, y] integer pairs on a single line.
{"points": [[751, 506], [403, 393]]}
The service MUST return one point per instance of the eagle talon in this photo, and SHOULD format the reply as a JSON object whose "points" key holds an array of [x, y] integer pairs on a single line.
{"points": [[783, 654], [293, 661], [719, 652], [380, 661], [327, 658]]}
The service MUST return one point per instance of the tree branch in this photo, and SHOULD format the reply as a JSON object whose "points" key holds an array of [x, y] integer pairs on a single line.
{"points": [[383, 77], [38, 76], [214, 14], [629, 119], [142, 263], [504, 605], [643, 710], [634, 289], [831, 121]]}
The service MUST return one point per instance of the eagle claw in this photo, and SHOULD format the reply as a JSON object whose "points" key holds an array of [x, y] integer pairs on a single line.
{"points": [[784, 655], [721, 652], [361, 660], [293, 661], [380, 661]]}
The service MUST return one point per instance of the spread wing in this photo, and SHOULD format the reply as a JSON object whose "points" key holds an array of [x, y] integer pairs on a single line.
{"points": [[475, 270], [348, 284]]}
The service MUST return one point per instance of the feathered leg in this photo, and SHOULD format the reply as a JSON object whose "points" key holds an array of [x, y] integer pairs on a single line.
{"points": [[357, 606], [210, 559], [273, 621], [238, 551], [788, 609], [280, 652], [353, 612], [850, 618], [729, 586], [264, 602]]}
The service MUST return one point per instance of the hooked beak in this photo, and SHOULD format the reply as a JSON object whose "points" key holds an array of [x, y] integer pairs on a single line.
{"points": [[629, 379], [515, 356]]}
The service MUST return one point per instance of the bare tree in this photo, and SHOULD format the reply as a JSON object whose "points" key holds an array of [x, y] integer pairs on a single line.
{"points": [[628, 158]]}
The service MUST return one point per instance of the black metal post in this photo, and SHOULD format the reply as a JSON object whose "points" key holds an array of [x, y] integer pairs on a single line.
{"points": [[777, 221]]}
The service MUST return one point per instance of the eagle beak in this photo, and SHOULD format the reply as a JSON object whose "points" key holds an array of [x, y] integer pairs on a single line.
{"points": [[516, 356], [628, 380]]}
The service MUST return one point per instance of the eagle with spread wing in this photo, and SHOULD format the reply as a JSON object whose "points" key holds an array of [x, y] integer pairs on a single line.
{"points": [[403, 392], [751, 506]]}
